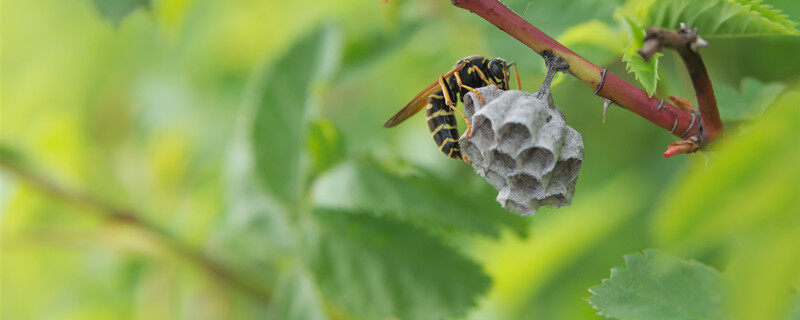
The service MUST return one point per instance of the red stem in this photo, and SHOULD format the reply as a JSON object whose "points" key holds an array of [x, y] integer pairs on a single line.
{"points": [[687, 44], [626, 95], [706, 100]]}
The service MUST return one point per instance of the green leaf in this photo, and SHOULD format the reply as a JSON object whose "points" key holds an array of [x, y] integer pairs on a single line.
{"points": [[363, 50], [658, 286], [553, 18], [744, 204], [523, 269], [645, 72], [376, 268], [251, 216], [725, 200], [11, 156], [281, 111], [721, 18], [556, 16], [594, 40], [713, 18], [296, 297], [750, 101], [117, 10], [325, 145], [360, 186], [795, 309]]}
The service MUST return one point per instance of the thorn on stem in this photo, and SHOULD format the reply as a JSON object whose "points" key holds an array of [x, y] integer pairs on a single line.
{"points": [[697, 44], [606, 103], [681, 39]]}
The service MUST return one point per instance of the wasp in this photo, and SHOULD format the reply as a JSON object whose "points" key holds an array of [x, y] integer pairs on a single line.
{"points": [[440, 97]]}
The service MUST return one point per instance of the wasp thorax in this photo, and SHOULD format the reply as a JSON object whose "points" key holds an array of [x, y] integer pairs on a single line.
{"points": [[521, 145]]}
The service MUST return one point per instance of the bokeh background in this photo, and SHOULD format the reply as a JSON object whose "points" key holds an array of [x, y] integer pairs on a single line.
{"points": [[246, 138]]}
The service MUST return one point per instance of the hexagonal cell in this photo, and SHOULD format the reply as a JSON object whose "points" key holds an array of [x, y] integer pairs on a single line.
{"points": [[497, 180], [523, 186], [502, 163], [470, 105], [472, 152], [512, 137], [568, 169], [536, 161], [519, 208], [558, 200], [482, 133]]}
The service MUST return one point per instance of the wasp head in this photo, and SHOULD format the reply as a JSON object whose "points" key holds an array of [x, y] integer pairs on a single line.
{"points": [[498, 71]]}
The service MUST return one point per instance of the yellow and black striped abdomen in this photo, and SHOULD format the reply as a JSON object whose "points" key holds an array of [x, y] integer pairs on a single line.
{"points": [[443, 125]]}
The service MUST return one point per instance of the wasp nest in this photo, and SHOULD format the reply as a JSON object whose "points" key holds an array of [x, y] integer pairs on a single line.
{"points": [[521, 144]]}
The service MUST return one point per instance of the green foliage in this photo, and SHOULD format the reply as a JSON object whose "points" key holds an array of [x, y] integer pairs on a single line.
{"points": [[658, 286], [11, 156], [745, 205], [360, 52], [722, 18], [544, 12], [381, 268], [750, 101], [724, 209], [325, 145], [555, 18], [645, 71], [594, 40], [297, 297], [713, 18], [725, 200], [117, 10], [246, 132], [360, 245], [361, 186], [526, 272], [281, 111]]}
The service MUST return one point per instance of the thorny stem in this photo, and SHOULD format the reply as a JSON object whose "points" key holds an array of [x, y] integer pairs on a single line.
{"points": [[687, 44], [604, 83], [108, 211]]}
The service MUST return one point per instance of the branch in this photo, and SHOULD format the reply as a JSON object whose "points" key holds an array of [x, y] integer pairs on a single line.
{"points": [[604, 83], [686, 42], [108, 211]]}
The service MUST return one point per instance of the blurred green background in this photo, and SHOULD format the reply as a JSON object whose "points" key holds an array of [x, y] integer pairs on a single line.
{"points": [[249, 133]]}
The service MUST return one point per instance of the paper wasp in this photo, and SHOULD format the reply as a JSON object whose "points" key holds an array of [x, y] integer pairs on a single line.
{"points": [[443, 94]]}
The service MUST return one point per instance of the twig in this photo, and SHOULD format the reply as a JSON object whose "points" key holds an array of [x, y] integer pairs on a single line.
{"points": [[687, 44], [108, 211], [605, 84]]}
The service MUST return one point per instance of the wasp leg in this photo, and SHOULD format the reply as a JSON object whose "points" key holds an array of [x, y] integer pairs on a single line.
{"points": [[460, 84], [465, 159], [516, 71], [469, 125], [480, 74], [445, 91], [450, 104]]}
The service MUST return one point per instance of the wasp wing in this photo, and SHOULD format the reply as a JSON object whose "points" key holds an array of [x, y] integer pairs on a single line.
{"points": [[418, 102], [414, 106]]}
